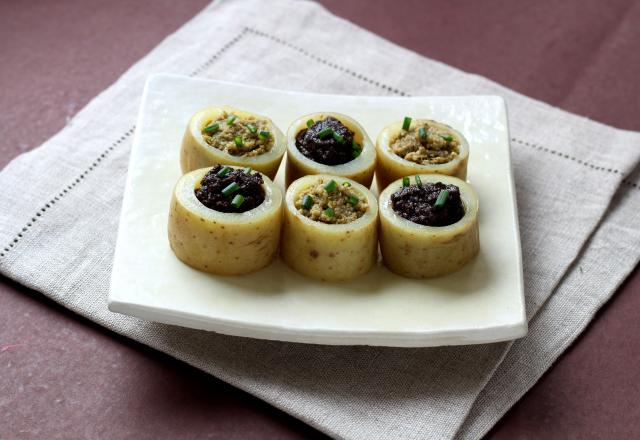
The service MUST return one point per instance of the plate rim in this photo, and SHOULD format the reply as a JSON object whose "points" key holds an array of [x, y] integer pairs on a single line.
{"points": [[425, 338]]}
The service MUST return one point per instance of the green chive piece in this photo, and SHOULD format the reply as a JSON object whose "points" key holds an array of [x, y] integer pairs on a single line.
{"points": [[264, 135], [338, 137], [442, 199], [355, 146], [406, 181], [247, 170], [230, 189], [406, 123], [422, 132], [238, 141], [356, 149], [210, 129], [447, 137], [329, 212], [307, 202], [231, 119], [330, 186], [252, 128], [224, 171], [310, 123], [353, 200], [347, 184], [418, 181], [237, 201], [325, 133]]}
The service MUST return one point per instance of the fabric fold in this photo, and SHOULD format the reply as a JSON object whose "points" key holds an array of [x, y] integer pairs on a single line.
{"points": [[590, 282]]}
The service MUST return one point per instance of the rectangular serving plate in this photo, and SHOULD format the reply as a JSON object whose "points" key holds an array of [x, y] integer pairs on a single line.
{"points": [[481, 303]]}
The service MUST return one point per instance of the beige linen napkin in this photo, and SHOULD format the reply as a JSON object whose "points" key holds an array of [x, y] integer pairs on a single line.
{"points": [[578, 211]]}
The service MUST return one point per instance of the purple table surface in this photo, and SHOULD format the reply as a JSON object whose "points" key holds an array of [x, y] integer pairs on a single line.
{"points": [[63, 377]]}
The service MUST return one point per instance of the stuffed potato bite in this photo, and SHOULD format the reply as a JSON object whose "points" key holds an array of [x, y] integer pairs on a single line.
{"points": [[330, 228], [225, 220], [329, 143], [428, 228], [229, 136], [420, 146]]}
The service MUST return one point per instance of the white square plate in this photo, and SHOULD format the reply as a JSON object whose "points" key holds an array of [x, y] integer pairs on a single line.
{"points": [[483, 302]]}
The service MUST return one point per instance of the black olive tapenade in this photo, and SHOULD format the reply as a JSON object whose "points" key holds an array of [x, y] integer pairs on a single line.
{"points": [[212, 185], [334, 148], [416, 204]]}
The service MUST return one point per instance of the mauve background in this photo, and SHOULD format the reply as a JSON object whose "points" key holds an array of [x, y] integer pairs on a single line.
{"points": [[64, 377]]}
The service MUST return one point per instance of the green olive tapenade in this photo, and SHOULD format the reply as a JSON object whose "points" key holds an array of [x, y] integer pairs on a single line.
{"points": [[230, 136], [331, 202], [330, 229], [420, 146]]}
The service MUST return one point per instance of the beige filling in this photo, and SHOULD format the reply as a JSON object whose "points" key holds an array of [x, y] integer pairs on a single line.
{"points": [[430, 151], [338, 200], [224, 138]]}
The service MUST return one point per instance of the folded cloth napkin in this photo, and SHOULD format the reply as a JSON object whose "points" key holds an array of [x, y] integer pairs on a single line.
{"points": [[578, 212]]}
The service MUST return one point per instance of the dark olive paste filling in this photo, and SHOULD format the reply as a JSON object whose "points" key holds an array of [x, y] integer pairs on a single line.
{"points": [[249, 188], [417, 204], [334, 149]]}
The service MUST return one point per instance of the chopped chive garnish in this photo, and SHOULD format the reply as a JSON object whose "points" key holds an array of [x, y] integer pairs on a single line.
{"points": [[252, 128], [230, 189], [237, 201], [356, 152], [238, 141], [406, 123], [264, 135], [353, 200], [210, 129], [310, 123], [224, 171], [338, 137], [307, 202], [325, 133], [329, 212], [406, 181], [422, 132], [247, 170], [231, 119], [418, 181], [346, 184], [355, 145], [447, 137], [330, 186], [442, 199]]}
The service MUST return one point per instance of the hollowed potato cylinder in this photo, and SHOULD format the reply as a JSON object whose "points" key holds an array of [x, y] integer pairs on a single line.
{"points": [[391, 166], [223, 243], [360, 169], [417, 251], [329, 252], [248, 130]]}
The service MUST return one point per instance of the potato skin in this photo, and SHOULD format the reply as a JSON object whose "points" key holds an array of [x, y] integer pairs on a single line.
{"points": [[195, 153], [360, 169], [296, 169], [391, 167], [416, 251], [223, 243], [329, 252]]}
